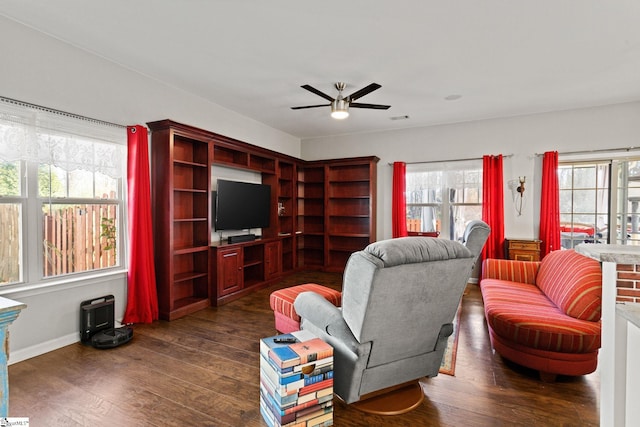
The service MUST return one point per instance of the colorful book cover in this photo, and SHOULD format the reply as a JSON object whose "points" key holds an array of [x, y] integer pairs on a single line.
{"points": [[312, 350], [315, 387], [314, 411], [291, 410], [322, 420], [312, 379], [310, 366], [287, 400], [267, 375], [284, 357], [273, 409], [276, 377], [285, 389], [283, 340]]}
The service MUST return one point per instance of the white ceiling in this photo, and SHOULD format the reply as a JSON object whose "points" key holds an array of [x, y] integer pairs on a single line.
{"points": [[503, 57]]}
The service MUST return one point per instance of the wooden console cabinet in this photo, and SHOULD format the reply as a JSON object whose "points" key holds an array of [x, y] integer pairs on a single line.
{"points": [[240, 268], [522, 249]]}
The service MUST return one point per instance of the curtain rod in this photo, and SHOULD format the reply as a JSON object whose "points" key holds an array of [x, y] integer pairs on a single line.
{"points": [[601, 150], [59, 112], [505, 156]]}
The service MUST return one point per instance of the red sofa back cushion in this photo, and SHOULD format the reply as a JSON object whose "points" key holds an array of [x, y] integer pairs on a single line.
{"points": [[573, 282]]}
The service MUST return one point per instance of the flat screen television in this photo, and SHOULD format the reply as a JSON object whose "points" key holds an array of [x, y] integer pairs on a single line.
{"points": [[241, 205]]}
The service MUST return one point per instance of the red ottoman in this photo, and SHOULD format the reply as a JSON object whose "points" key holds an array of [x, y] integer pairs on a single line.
{"points": [[281, 301]]}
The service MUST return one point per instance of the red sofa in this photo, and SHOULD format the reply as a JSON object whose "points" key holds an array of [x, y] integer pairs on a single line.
{"points": [[545, 315]]}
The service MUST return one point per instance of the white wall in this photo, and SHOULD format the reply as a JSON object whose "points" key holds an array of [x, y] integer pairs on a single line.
{"points": [[523, 137], [44, 71]]}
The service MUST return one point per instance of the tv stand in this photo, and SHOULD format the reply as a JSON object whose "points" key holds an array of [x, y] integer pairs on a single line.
{"points": [[241, 238], [241, 268]]}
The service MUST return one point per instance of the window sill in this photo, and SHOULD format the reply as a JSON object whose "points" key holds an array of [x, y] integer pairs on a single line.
{"points": [[30, 289]]}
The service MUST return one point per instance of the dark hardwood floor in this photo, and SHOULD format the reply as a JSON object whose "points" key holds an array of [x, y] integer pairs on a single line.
{"points": [[202, 370]]}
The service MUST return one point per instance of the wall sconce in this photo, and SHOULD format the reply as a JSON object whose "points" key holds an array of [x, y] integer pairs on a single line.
{"points": [[520, 190]]}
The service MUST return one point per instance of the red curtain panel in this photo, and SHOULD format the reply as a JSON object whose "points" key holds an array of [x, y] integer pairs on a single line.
{"points": [[142, 299], [493, 205], [399, 201], [549, 204]]}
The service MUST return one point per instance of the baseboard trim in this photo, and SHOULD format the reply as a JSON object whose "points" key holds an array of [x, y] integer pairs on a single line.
{"points": [[41, 348]]}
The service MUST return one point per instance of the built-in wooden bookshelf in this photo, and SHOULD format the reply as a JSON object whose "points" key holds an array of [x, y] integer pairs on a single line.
{"points": [[181, 209], [310, 225], [321, 212], [350, 208], [286, 212]]}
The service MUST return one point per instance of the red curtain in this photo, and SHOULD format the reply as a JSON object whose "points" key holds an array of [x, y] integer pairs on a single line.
{"points": [[399, 201], [493, 205], [142, 299], [549, 204]]}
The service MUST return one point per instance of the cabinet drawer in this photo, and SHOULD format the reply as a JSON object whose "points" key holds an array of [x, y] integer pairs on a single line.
{"points": [[521, 244]]}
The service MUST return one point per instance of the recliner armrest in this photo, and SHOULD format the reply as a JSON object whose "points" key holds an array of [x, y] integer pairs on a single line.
{"points": [[313, 308]]}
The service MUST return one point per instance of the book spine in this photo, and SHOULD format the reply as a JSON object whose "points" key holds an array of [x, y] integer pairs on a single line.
{"points": [[283, 389], [327, 361], [276, 412], [268, 417], [322, 420], [312, 379], [312, 357], [314, 411], [276, 377], [315, 387], [282, 401]]}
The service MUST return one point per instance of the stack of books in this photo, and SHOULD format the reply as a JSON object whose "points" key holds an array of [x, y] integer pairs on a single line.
{"points": [[296, 380]]}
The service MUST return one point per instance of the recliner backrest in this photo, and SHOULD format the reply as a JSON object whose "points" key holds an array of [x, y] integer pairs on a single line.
{"points": [[399, 293]]}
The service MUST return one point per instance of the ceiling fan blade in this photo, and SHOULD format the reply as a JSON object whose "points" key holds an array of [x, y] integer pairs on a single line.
{"points": [[317, 92], [362, 92], [372, 106], [310, 106]]}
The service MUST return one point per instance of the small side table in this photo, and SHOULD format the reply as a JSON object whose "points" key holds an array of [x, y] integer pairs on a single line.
{"points": [[522, 249], [9, 311]]}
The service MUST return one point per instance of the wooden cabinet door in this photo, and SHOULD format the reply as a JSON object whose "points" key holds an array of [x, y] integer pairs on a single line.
{"points": [[229, 271], [272, 260]]}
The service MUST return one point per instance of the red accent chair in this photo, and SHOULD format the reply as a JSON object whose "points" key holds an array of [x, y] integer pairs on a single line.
{"points": [[545, 315]]}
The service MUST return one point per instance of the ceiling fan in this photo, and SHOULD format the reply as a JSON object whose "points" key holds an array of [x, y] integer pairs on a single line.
{"points": [[340, 104]]}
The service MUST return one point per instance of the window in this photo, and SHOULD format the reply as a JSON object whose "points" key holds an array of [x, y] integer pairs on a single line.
{"points": [[590, 212], [61, 194], [443, 197], [626, 203], [584, 202]]}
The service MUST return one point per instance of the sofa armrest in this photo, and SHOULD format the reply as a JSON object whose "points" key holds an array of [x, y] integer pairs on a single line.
{"points": [[511, 270]]}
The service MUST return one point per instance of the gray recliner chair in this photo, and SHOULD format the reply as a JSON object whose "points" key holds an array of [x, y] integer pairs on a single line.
{"points": [[399, 299]]}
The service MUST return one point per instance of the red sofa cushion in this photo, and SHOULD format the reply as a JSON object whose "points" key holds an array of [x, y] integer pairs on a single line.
{"points": [[573, 282], [522, 314]]}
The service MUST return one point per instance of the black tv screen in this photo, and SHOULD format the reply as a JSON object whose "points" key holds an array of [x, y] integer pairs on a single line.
{"points": [[242, 205]]}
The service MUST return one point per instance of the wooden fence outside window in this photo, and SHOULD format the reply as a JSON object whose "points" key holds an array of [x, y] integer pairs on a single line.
{"points": [[79, 238]]}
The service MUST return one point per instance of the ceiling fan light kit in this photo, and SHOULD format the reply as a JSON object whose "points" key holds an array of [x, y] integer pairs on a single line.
{"points": [[340, 105], [339, 108]]}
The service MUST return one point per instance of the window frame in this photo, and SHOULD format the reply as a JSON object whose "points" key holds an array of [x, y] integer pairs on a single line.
{"points": [[32, 214], [446, 205]]}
